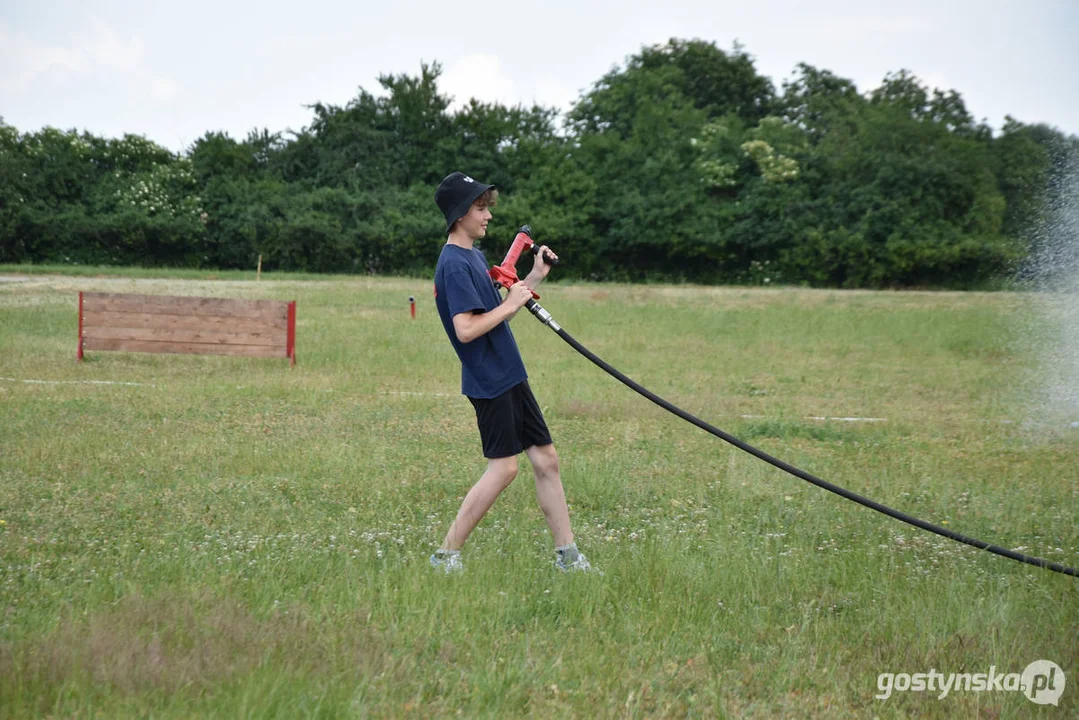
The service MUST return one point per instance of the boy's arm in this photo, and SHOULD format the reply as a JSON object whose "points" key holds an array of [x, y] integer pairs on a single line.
{"points": [[470, 326]]}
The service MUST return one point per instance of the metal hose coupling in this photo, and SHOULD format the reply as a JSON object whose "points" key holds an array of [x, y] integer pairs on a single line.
{"points": [[542, 315]]}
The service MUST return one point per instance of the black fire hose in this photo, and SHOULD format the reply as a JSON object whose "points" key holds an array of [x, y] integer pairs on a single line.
{"points": [[546, 319]]}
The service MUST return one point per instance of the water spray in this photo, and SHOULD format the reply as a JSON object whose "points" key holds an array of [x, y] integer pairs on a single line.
{"points": [[506, 275]]}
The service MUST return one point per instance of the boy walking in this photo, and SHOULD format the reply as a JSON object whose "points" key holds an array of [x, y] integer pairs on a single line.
{"points": [[476, 319]]}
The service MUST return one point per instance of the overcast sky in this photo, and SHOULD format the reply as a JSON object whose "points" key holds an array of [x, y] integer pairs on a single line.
{"points": [[173, 71]]}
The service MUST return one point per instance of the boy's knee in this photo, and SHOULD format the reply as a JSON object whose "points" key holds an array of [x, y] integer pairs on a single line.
{"points": [[505, 469], [545, 461]]}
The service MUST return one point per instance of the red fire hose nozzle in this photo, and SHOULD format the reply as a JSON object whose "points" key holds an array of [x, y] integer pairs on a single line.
{"points": [[506, 273]]}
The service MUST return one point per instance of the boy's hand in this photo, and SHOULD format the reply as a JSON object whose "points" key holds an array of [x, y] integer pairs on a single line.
{"points": [[518, 295], [539, 266]]}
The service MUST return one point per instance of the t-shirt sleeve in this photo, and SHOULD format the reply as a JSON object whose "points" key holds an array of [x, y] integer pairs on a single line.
{"points": [[461, 294]]}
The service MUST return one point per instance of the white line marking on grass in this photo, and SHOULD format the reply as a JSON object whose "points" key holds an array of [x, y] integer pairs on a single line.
{"points": [[816, 417], [78, 382], [418, 394], [849, 419]]}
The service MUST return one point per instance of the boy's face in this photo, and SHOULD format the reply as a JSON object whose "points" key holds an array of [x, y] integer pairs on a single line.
{"points": [[474, 222]]}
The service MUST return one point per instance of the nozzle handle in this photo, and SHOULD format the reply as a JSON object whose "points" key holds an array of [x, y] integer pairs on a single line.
{"points": [[547, 257]]}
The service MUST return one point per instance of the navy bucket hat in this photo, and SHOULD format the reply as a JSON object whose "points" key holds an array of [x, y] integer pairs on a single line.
{"points": [[455, 195]]}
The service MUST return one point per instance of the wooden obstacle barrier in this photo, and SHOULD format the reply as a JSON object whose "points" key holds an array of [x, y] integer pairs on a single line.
{"points": [[184, 324]]}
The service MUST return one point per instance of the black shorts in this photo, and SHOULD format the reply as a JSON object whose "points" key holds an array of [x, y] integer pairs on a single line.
{"points": [[510, 422]]}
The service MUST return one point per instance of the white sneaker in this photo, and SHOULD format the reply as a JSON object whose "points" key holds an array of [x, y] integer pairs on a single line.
{"points": [[449, 562], [581, 564]]}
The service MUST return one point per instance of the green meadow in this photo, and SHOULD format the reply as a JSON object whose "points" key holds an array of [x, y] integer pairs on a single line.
{"points": [[227, 537]]}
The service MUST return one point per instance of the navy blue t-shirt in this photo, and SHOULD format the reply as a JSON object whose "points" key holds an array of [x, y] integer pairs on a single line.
{"points": [[491, 364]]}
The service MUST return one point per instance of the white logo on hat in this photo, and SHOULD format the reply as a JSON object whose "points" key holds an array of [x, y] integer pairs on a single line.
{"points": [[468, 179]]}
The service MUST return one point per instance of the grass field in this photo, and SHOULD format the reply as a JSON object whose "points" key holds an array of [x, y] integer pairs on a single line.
{"points": [[228, 537]]}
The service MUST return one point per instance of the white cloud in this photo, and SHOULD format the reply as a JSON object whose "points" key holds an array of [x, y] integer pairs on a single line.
{"points": [[936, 80], [864, 23], [96, 50], [551, 92], [25, 59], [163, 89], [483, 77], [105, 48], [477, 76]]}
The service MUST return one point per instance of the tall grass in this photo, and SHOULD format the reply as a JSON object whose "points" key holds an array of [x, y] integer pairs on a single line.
{"points": [[229, 537]]}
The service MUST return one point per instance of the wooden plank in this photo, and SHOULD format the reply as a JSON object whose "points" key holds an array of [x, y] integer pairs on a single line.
{"points": [[191, 300], [185, 348], [196, 309], [184, 322], [185, 305], [274, 339], [274, 315]]}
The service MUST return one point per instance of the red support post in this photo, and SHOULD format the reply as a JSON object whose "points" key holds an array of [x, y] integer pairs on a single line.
{"points": [[78, 352], [290, 347]]}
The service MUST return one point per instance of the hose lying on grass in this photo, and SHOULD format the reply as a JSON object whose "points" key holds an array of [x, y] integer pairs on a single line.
{"points": [[546, 319]]}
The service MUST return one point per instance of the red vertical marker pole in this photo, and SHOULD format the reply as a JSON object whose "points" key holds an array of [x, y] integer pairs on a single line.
{"points": [[412, 306], [78, 352], [290, 343]]}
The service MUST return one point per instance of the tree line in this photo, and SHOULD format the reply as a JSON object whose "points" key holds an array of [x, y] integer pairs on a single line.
{"points": [[683, 163]]}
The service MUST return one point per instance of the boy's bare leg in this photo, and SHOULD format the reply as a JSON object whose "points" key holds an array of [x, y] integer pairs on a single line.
{"points": [[549, 492], [499, 474]]}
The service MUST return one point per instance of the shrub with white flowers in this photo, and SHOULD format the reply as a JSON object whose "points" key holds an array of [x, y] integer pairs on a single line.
{"points": [[715, 169], [773, 166], [162, 190], [724, 144]]}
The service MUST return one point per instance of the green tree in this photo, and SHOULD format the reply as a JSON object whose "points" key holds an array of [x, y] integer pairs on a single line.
{"points": [[80, 198], [633, 132], [500, 144], [904, 91], [681, 163], [818, 101], [900, 199], [1022, 166], [706, 78], [397, 140]]}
